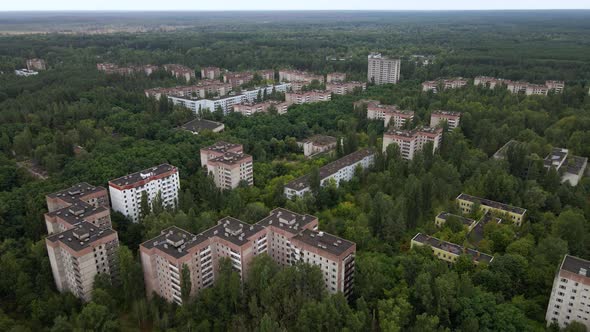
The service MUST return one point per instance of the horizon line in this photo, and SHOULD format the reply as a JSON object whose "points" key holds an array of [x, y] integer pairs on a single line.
{"points": [[286, 10]]}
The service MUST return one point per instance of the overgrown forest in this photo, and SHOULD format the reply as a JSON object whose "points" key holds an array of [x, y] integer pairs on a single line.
{"points": [[73, 123]]}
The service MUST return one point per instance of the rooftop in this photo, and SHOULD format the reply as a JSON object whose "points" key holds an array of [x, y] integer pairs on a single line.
{"points": [[492, 204], [233, 230], [452, 248], [289, 221], [477, 233], [73, 194], [231, 158], [576, 164], [556, 158], [331, 168], [445, 113], [143, 175], [81, 236], [221, 146], [576, 265], [464, 220], [320, 140], [198, 125], [174, 241], [327, 242], [77, 212], [414, 132]]}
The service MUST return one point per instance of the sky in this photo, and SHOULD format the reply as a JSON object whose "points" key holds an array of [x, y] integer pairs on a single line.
{"points": [[9, 5]]}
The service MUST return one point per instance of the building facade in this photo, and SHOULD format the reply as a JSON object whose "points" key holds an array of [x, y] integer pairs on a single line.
{"points": [[449, 83], [210, 73], [343, 88], [180, 71], [230, 169], [317, 144], [342, 169], [451, 118], [383, 70], [248, 109], [159, 181], [515, 214], [520, 87], [287, 75], [335, 77], [447, 251], [412, 141], [307, 97], [390, 114], [217, 150], [36, 64], [570, 294]]}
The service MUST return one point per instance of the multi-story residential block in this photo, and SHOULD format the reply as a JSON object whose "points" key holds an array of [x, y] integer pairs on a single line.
{"points": [[25, 72], [342, 169], [111, 68], [230, 169], [79, 203], [180, 71], [317, 144], [80, 253], [412, 141], [298, 75], [390, 114], [556, 86], [521, 87], [158, 181], [36, 64], [203, 89], [489, 82], [513, 213], [448, 251], [570, 294], [383, 70], [287, 237], [211, 73], [237, 79], [570, 167], [335, 77], [307, 97], [248, 109], [359, 104], [450, 83], [343, 88], [217, 150], [198, 125], [451, 118], [226, 104]]}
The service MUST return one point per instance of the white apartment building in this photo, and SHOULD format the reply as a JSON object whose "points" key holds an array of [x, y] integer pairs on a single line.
{"points": [[451, 118], [382, 70], [80, 253], [126, 191], [342, 169], [570, 296], [412, 141], [230, 169]]}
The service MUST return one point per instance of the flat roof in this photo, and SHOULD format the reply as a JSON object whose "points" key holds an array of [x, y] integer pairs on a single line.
{"points": [[320, 140], [221, 146], [477, 233], [446, 113], [576, 265], [464, 220], [290, 221], [81, 236], [142, 175], [231, 158], [77, 212], [233, 230], [452, 248], [576, 164], [556, 157], [73, 193], [325, 241], [174, 241], [331, 168], [197, 125], [493, 204]]}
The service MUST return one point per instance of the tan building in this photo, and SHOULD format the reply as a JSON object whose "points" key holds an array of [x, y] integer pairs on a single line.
{"points": [[383, 70], [412, 141], [110, 68], [520, 87], [180, 71], [248, 109], [569, 297], [286, 236], [237, 79], [80, 253], [217, 150], [390, 114], [307, 97], [451, 118], [36, 64], [343, 88], [81, 202], [211, 73], [203, 89], [449, 83], [298, 75], [335, 77], [230, 169], [513, 213], [448, 251], [317, 144]]}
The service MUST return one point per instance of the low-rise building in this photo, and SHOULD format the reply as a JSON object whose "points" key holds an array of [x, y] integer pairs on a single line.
{"points": [[515, 214], [342, 169], [111, 68], [211, 73], [570, 167], [317, 144], [570, 293], [343, 88], [448, 251], [198, 125], [36, 64], [79, 254], [447, 83], [79, 203], [25, 72], [230, 169], [451, 118], [180, 71], [335, 77], [217, 150], [303, 97], [158, 181], [442, 218], [390, 114], [412, 141], [287, 237]]}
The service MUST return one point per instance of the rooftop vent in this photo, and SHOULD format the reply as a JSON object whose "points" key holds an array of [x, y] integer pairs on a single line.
{"points": [[583, 271]]}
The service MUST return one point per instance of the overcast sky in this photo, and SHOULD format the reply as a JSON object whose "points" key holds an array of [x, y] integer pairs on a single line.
{"points": [[288, 5]]}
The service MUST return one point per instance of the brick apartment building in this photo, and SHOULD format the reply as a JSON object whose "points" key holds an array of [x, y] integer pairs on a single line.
{"points": [[307, 97], [211, 73], [228, 164], [451, 118]]}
